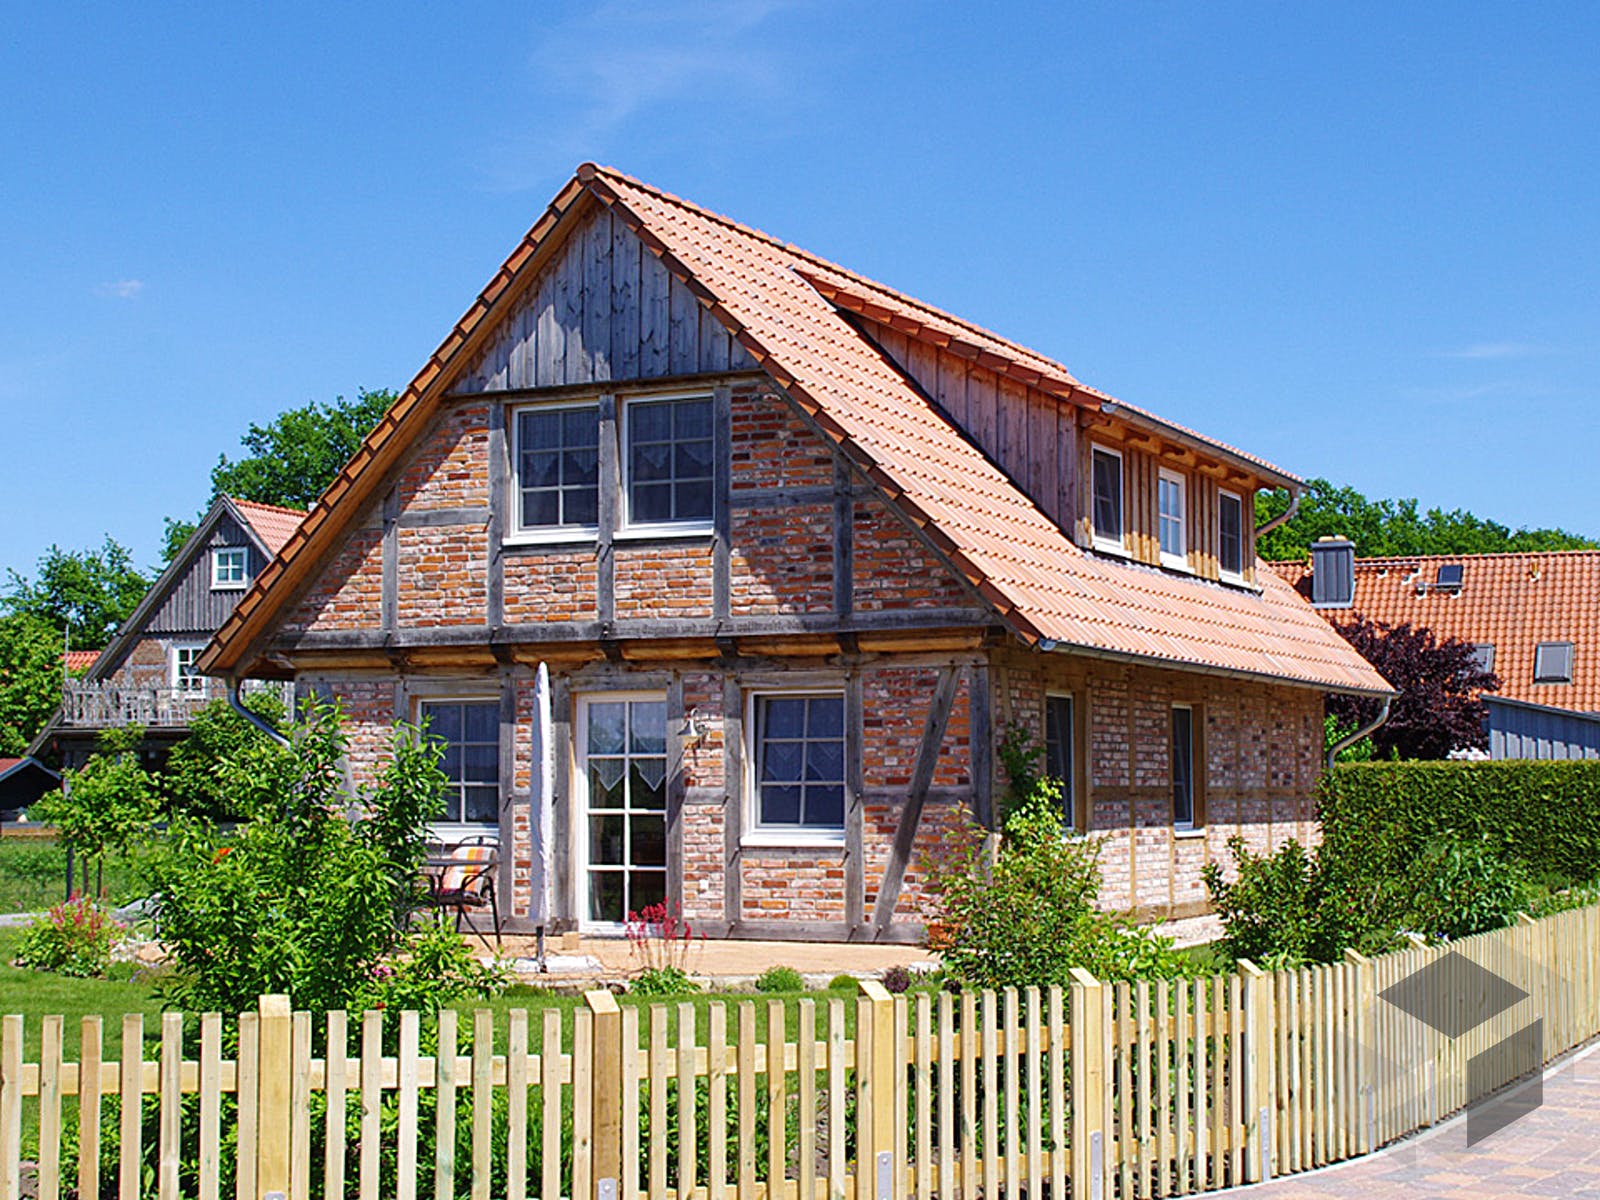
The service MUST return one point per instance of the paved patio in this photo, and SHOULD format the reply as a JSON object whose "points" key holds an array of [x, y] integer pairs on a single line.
{"points": [[1553, 1151]]}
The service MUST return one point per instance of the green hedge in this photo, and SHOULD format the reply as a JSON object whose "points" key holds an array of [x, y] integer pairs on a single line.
{"points": [[1544, 815]]}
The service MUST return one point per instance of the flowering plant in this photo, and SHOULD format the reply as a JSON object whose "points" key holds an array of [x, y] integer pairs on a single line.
{"points": [[74, 938], [661, 941]]}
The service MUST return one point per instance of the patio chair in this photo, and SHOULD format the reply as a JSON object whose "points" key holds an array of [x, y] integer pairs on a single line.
{"points": [[461, 878]]}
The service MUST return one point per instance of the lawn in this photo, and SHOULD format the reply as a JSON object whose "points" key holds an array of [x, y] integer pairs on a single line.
{"points": [[38, 993], [33, 875]]}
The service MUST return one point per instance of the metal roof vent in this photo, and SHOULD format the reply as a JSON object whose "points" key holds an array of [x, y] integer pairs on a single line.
{"points": [[1333, 573]]}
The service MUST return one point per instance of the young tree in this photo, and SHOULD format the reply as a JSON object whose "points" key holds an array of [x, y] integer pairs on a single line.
{"points": [[108, 804], [30, 679], [293, 458], [1438, 707], [90, 591]]}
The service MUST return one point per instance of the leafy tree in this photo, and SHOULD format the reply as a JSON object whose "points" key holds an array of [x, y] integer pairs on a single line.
{"points": [[107, 805], [1382, 528], [311, 895], [92, 591], [30, 679], [293, 458], [1438, 707], [195, 779]]}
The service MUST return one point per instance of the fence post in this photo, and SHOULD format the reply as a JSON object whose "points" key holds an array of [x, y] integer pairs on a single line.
{"points": [[273, 1085], [10, 1106], [605, 1093], [1088, 1086], [875, 1119], [1365, 1004], [1256, 997]]}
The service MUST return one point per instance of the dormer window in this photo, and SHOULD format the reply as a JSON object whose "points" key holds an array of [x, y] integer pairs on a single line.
{"points": [[230, 568], [1552, 662], [1107, 482], [1230, 536], [1171, 489]]}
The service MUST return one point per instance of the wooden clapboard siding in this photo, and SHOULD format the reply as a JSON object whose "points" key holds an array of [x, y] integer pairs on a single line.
{"points": [[191, 606], [603, 309]]}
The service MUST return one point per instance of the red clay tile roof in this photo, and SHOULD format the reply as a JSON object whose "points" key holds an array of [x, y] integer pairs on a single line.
{"points": [[1045, 586], [273, 524], [1510, 601], [80, 660]]}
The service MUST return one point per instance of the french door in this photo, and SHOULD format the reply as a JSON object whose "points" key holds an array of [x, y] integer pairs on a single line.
{"points": [[622, 786]]}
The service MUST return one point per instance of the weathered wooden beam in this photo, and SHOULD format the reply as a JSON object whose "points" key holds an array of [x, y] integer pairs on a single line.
{"points": [[905, 834], [449, 518], [733, 802], [675, 789], [854, 805], [610, 493], [721, 515], [669, 650], [389, 587], [980, 743], [844, 523], [921, 640]]}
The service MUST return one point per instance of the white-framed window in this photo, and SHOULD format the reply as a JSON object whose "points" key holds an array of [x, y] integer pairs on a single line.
{"points": [[230, 568], [622, 787], [1106, 492], [668, 475], [1172, 495], [470, 731], [1059, 751], [185, 679], [1230, 536], [1183, 767], [797, 767], [556, 464]]}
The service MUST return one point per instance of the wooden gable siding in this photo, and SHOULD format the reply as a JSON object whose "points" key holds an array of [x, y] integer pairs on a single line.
{"points": [[192, 606], [603, 309], [1031, 436]]}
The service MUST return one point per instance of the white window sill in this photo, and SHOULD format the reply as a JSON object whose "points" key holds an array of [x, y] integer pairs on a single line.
{"points": [[1234, 580], [1176, 562], [1107, 547], [551, 537], [229, 587], [683, 529], [1188, 832], [792, 839]]}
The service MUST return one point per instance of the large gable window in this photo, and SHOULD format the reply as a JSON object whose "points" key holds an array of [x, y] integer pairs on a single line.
{"points": [[470, 731], [558, 468], [667, 462], [799, 763], [1107, 481]]}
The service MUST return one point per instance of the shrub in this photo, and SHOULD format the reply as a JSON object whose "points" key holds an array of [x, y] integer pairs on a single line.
{"points": [[1030, 915], [662, 981], [1378, 817], [75, 938], [896, 979], [780, 979], [843, 983], [313, 894], [107, 805], [1457, 888], [195, 777]]}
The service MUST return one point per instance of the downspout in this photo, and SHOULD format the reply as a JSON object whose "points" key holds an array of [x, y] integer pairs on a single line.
{"points": [[1286, 515], [1349, 740], [238, 705]]}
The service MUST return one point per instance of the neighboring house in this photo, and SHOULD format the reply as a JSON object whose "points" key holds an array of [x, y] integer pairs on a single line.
{"points": [[147, 674], [22, 781], [1534, 619], [796, 550]]}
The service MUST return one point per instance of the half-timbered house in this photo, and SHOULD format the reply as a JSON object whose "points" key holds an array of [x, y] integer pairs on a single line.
{"points": [[796, 550]]}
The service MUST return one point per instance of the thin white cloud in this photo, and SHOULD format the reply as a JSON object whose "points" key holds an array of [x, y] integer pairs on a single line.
{"points": [[1495, 350], [624, 62], [120, 289]]}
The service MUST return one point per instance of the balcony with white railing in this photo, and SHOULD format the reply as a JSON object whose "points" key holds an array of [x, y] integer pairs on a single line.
{"points": [[96, 704]]}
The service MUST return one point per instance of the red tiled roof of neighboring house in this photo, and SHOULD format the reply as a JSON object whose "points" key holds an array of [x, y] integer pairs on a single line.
{"points": [[81, 660], [7, 763], [1510, 601], [1044, 585], [273, 524]]}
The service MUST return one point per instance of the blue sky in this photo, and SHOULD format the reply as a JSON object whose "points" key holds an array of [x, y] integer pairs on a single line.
{"points": [[1359, 240]]}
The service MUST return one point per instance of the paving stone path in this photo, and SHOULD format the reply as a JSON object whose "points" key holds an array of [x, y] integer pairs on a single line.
{"points": [[1553, 1151]]}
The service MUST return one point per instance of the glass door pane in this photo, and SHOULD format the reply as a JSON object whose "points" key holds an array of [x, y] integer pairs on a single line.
{"points": [[625, 769]]}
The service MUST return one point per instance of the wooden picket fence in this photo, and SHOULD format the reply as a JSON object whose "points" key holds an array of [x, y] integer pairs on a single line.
{"points": [[1095, 1091]]}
